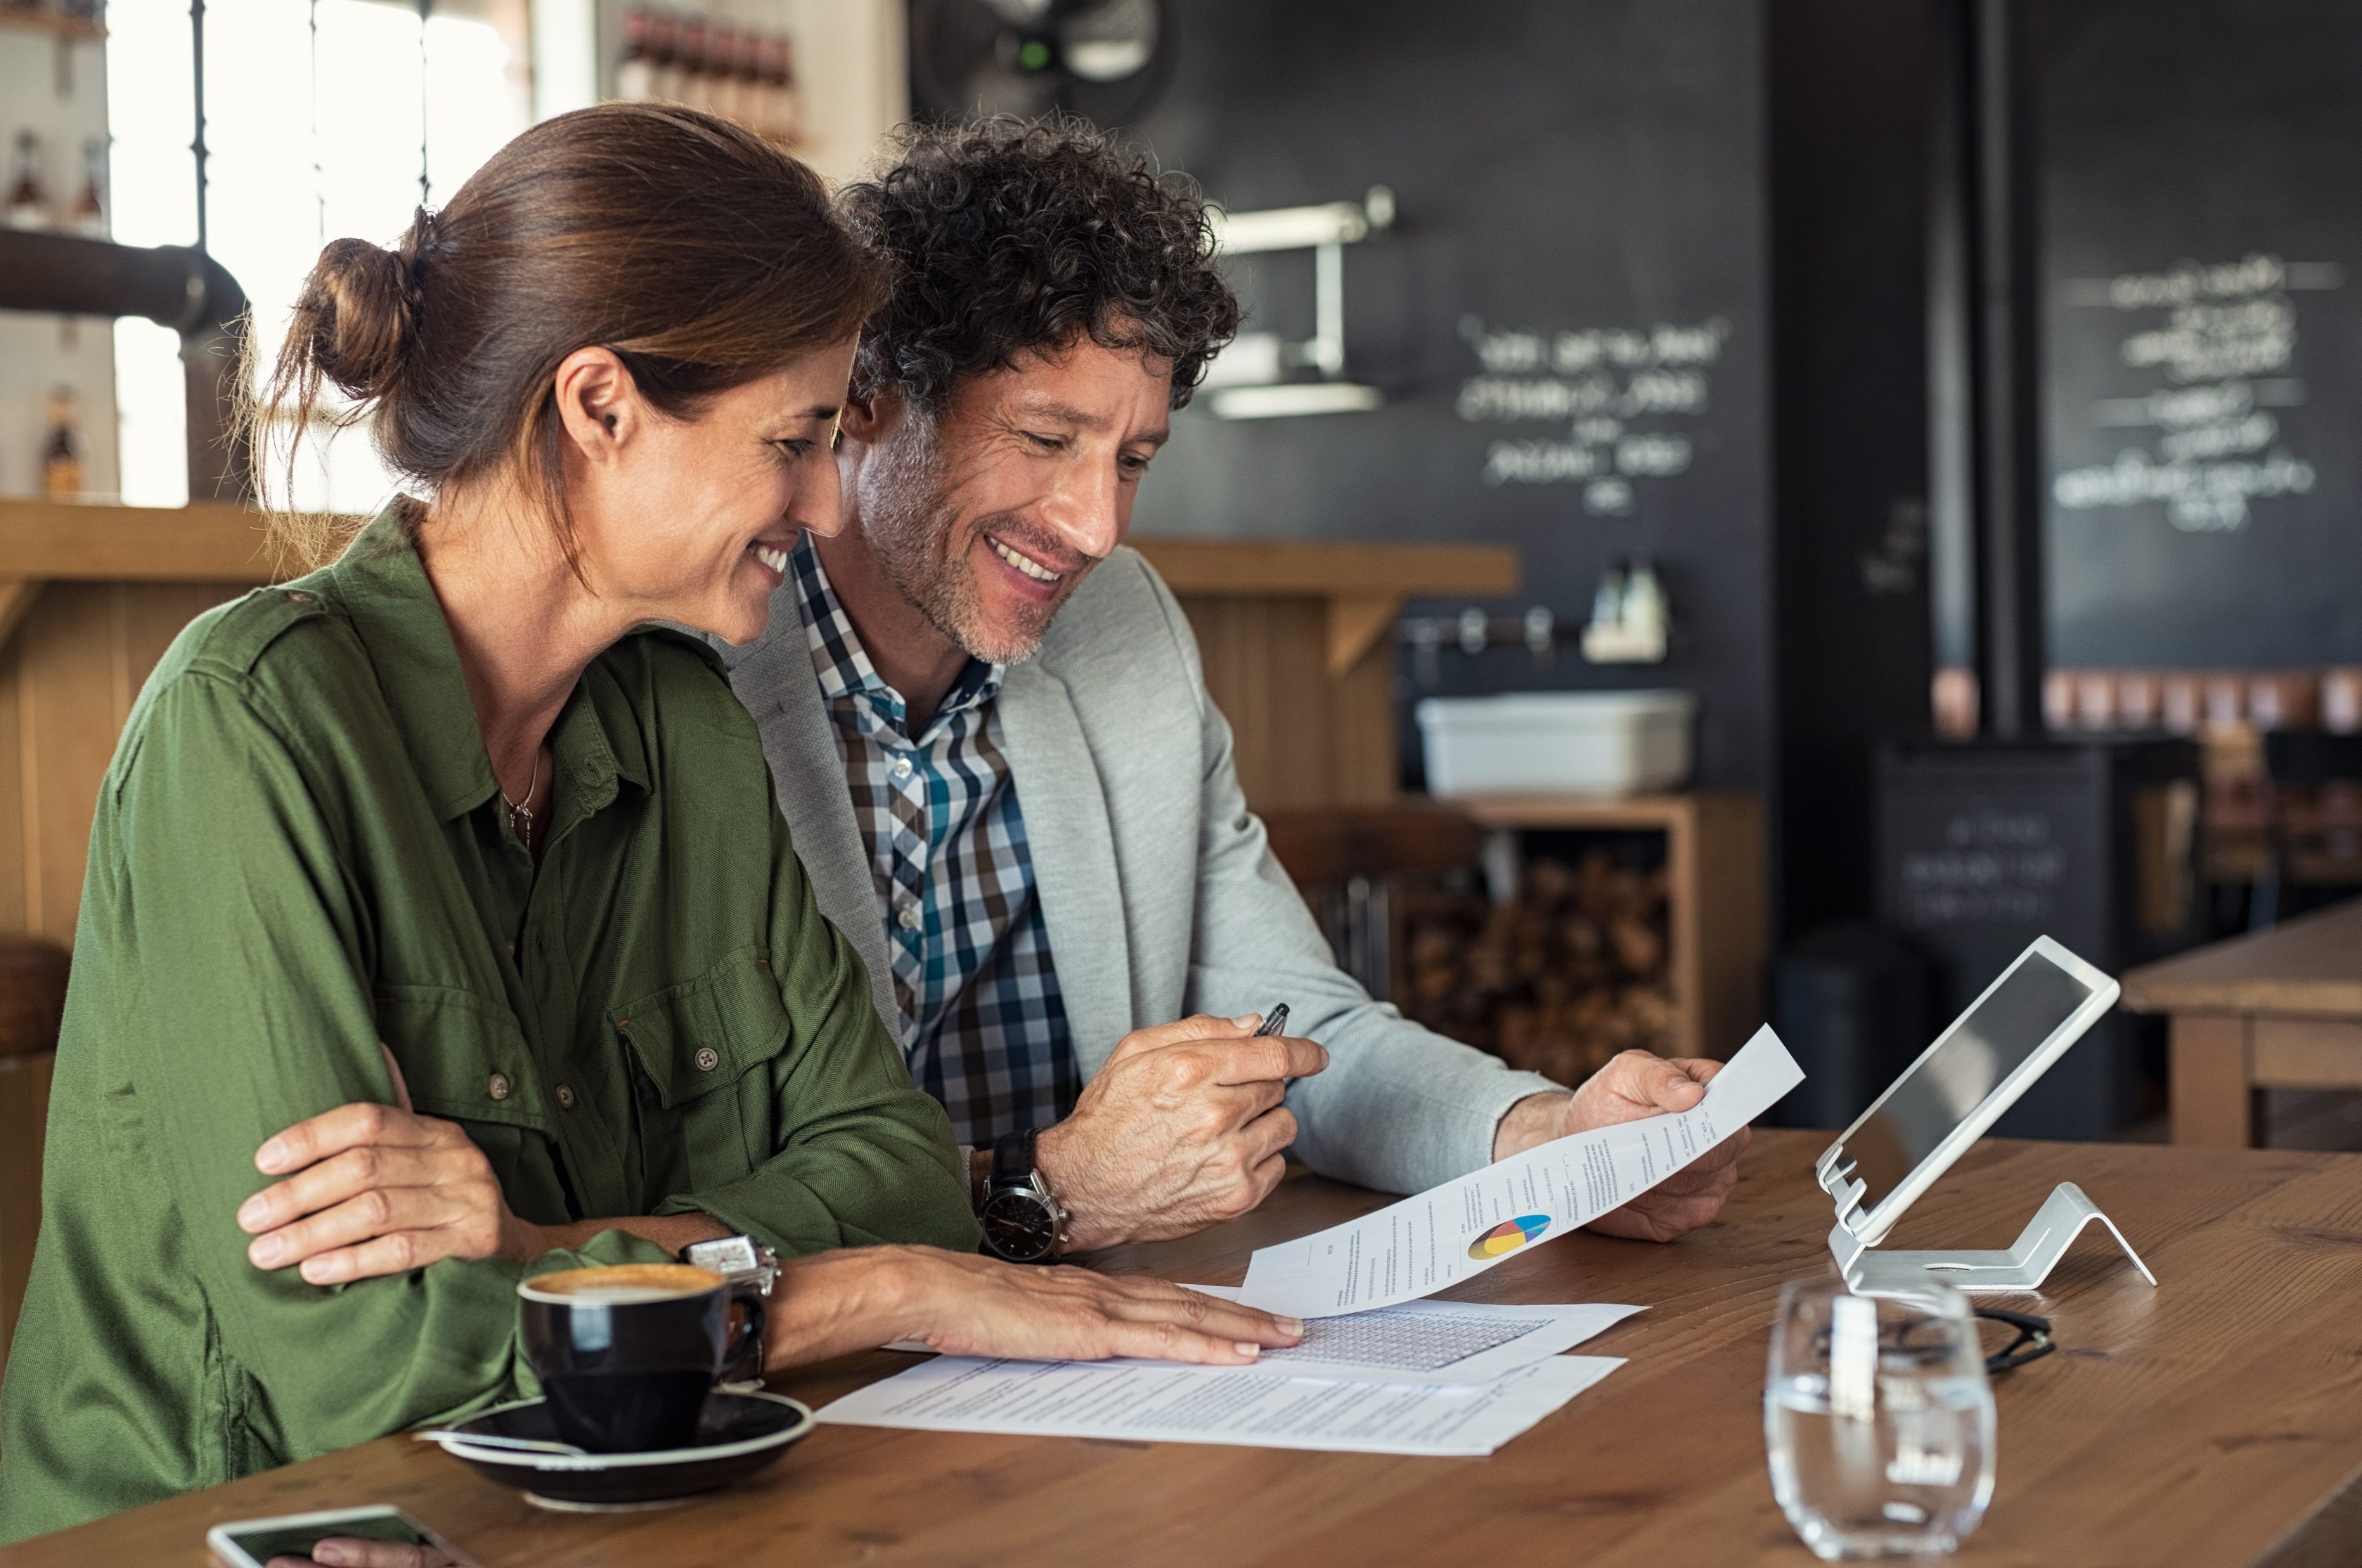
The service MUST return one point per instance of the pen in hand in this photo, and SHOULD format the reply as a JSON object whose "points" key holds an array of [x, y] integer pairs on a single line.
{"points": [[1273, 1021]]}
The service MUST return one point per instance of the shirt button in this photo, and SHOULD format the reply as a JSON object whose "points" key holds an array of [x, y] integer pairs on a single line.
{"points": [[901, 768], [498, 1087], [707, 1058], [565, 1097], [297, 596], [909, 917]]}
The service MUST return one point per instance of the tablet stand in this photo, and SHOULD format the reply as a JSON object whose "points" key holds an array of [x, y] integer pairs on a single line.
{"points": [[2024, 1268]]}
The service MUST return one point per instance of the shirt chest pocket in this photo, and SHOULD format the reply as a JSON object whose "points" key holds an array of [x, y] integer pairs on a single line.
{"points": [[465, 1060], [706, 1049]]}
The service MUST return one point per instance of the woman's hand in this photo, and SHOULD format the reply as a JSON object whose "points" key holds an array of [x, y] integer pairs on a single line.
{"points": [[350, 1551], [376, 1189], [964, 1305]]}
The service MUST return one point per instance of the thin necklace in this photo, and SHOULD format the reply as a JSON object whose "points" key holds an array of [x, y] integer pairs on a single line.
{"points": [[521, 819]]}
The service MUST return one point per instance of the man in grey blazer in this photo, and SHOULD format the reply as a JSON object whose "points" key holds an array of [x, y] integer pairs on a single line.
{"points": [[994, 747]]}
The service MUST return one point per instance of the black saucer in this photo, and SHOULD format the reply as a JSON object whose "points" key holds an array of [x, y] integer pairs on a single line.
{"points": [[736, 1435]]}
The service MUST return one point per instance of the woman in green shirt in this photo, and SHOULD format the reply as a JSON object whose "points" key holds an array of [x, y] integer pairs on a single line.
{"points": [[423, 945]]}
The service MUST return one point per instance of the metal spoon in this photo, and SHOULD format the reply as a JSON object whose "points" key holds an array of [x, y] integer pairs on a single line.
{"points": [[489, 1440]]}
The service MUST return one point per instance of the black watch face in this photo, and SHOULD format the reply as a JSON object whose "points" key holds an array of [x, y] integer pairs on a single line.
{"points": [[1019, 1226]]}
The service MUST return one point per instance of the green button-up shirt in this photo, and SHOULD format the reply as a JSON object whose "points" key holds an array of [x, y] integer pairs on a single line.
{"points": [[299, 851]]}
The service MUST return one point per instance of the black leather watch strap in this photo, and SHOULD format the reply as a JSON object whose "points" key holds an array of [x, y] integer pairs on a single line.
{"points": [[1012, 1158]]}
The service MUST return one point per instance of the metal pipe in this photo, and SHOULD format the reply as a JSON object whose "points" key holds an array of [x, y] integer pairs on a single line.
{"points": [[173, 285], [2009, 307], [1985, 341]]}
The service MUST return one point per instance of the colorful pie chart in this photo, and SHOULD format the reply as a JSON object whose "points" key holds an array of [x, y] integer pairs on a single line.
{"points": [[1509, 1236]]}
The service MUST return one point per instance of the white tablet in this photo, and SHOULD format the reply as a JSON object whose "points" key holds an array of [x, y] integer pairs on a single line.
{"points": [[1959, 1086]]}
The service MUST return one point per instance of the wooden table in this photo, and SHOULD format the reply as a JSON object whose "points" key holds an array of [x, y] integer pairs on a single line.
{"points": [[2217, 1420], [2281, 1009]]}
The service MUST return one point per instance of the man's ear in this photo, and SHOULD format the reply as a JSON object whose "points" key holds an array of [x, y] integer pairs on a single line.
{"points": [[870, 417], [598, 403]]}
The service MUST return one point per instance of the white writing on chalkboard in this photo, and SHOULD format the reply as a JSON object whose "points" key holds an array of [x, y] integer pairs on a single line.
{"points": [[1620, 392], [2227, 331], [1993, 865]]}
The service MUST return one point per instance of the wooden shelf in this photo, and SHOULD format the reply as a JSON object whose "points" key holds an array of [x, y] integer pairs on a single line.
{"points": [[70, 30], [1714, 865]]}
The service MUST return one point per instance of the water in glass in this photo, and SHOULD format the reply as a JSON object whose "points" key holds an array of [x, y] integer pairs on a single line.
{"points": [[1877, 1419]]}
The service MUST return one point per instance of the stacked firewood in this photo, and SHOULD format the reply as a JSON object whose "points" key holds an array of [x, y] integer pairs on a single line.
{"points": [[1556, 981]]}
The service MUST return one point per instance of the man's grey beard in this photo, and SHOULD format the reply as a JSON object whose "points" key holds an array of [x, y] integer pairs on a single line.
{"points": [[907, 525]]}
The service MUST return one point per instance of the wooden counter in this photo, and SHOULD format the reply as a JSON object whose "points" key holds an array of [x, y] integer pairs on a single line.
{"points": [[1297, 640], [90, 597]]}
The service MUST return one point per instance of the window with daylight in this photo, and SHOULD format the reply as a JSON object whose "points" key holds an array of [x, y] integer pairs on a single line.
{"points": [[307, 120]]}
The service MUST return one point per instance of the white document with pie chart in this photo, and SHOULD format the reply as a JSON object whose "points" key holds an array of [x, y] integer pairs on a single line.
{"points": [[1459, 1229]]}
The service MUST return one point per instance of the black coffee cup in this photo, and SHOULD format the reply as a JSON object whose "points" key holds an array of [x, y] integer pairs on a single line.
{"points": [[626, 1354]]}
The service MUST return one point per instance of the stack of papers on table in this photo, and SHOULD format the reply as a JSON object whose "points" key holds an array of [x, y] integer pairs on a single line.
{"points": [[1380, 1370], [1429, 1379]]}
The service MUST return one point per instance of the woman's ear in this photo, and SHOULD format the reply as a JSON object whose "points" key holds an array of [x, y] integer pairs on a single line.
{"points": [[598, 403]]}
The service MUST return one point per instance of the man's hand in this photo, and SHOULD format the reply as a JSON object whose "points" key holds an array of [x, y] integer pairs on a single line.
{"points": [[1633, 1085], [375, 1189], [1182, 1128]]}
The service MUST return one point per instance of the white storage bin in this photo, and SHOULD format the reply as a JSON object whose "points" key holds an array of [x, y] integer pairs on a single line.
{"points": [[1558, 742]]}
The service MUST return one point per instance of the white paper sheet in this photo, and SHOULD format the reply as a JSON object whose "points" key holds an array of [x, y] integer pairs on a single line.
{"points": [[1164, 1404], [1437, 1344], [1454, 1232]]}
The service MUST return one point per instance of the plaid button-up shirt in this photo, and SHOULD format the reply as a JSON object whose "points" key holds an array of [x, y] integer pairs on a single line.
{"points": [[983, 1026]]}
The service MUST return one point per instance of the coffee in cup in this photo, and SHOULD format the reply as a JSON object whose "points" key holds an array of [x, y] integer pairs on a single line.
{"points": [[627, 1353]]}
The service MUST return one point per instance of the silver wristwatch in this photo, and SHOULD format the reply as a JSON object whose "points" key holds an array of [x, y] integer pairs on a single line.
{"points": [[748, 1268]]}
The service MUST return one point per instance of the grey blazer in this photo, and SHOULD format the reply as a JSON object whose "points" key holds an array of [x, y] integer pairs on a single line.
{"points": [[1159, 893]]}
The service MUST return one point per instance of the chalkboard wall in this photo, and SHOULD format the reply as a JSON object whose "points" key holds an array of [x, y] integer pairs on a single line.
{"points": [[2203, 236], [1568, 319]]}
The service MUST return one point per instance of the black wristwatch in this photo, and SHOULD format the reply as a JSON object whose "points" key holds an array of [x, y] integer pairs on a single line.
{"points": [[1022, 1222]]}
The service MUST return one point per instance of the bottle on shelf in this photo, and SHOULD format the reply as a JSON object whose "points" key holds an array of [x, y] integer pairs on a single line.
{"points": [[62, 450], [746, 79], [664, 57], [90, 207], [689, 59], [719, 92], [781, 113], [1644, 605], [1608, 598], [28, 198], [635, 77]]}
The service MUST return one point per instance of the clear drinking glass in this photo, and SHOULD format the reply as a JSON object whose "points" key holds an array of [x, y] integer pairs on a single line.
{"points": [[1877, 1419]]}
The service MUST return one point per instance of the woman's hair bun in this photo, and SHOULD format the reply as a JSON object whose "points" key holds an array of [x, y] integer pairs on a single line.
{"points": [[359, 313]]}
